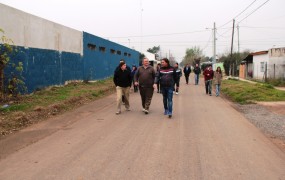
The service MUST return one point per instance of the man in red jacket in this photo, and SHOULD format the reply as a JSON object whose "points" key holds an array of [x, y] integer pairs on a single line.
{"points": [[208, 77]]}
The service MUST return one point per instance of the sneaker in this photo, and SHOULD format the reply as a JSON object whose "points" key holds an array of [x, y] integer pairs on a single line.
{"points": [[118, 112], [176, 93], [128, 109], [146, 111], [210, 94], [143, 110], [165, 112], [169, 115]]}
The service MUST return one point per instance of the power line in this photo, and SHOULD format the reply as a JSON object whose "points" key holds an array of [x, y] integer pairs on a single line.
{"points": [[238, 14], [254, 11], [251, 27], [169, 34]]}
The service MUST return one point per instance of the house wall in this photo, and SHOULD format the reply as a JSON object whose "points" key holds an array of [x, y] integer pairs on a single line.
{"points": [[276, 66], [242, 69], [257, 64]]}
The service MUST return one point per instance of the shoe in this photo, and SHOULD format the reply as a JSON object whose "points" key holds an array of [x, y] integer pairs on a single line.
{"points": [[165, 112], [169, 114], [210, 94], [118, 112], [176, 93], [146, 111], [143, 110], [128, 109]]}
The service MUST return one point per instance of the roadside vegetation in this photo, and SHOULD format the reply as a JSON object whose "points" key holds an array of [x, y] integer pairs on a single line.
{"points": [[246, 93], [22, 111]]}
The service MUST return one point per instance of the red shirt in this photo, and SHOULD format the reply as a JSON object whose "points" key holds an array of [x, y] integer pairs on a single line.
{"points": [[208, 74]]}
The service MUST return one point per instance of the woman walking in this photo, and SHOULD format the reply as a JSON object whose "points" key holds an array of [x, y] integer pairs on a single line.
{"points": [[218, 75]]}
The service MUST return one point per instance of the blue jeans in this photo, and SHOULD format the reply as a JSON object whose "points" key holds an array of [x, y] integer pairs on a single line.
{"points": [[196, 79], [167, 93], [218, 88]]}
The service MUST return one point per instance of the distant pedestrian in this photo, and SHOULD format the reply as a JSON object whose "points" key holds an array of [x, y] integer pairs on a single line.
{"points": [[197, 72], [158, 82], [208, 77], [167, 77], [187, 71], [133, 72], [122, 79], [144, 78], [218, 75], [178, 74]]}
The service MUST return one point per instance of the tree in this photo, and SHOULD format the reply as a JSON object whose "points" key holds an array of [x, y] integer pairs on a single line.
{"points": [[231, 63], [154, 50], [193, 56], [10, 83]]}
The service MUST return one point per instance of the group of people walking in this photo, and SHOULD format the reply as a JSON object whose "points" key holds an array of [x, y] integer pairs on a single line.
{"points": [[165, 79]]}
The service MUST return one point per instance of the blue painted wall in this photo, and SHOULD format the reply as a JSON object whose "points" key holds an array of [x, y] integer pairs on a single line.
{"points": [[99, 63], [43, 68]]}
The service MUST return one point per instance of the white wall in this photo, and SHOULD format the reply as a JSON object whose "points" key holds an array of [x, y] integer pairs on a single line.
{"points": [[31, 31], [257, 60]]}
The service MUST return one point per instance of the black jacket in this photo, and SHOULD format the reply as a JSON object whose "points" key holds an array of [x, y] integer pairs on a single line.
{"points": [[167, 76], [122, 78], [187, 71], [197, 70]]}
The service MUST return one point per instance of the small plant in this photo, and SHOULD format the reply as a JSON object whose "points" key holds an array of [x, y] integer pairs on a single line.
{"points": [[12, 83]]}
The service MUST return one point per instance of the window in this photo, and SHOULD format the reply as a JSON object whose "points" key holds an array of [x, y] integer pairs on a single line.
{"points": [[119, 52], [102, 49], [125, 54], [112, 51], [262, 68], [129, 55], [91, 46]]}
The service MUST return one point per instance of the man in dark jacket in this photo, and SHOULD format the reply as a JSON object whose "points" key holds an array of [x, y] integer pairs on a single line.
{"points": [[187, 71], [122, 79], [197, 72], [144, 78], [118, 68], [167, 77], [178, 74]]}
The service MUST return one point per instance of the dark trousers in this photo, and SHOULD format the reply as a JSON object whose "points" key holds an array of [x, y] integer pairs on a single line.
{"points": [[187, 78], [146, 96], [177, 81], [158, 86], [135, 87], [208, 86]]}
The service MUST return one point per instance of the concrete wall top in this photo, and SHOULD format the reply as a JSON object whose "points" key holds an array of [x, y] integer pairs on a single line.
{"points": [[277, 52], [31, 31]]}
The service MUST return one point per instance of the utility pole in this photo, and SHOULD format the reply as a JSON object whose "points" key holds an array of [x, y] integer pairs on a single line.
{"points": [[214, 44], [141, 9], [232, 46], [238, 37]]}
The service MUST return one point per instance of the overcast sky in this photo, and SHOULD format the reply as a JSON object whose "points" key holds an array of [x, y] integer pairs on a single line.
{"points": [[173, 24]]}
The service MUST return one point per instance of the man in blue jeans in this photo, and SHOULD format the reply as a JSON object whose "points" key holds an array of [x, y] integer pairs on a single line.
{"points": [[166, 75]]}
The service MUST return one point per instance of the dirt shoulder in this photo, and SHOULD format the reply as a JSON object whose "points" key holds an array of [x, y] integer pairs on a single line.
{"points": [[269, 117]]}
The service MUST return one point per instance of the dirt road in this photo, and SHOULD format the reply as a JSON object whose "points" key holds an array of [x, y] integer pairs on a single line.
{"points": [[205, 139]]}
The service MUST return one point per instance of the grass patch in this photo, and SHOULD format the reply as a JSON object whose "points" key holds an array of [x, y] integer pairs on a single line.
{"points": [[245, 93]]}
